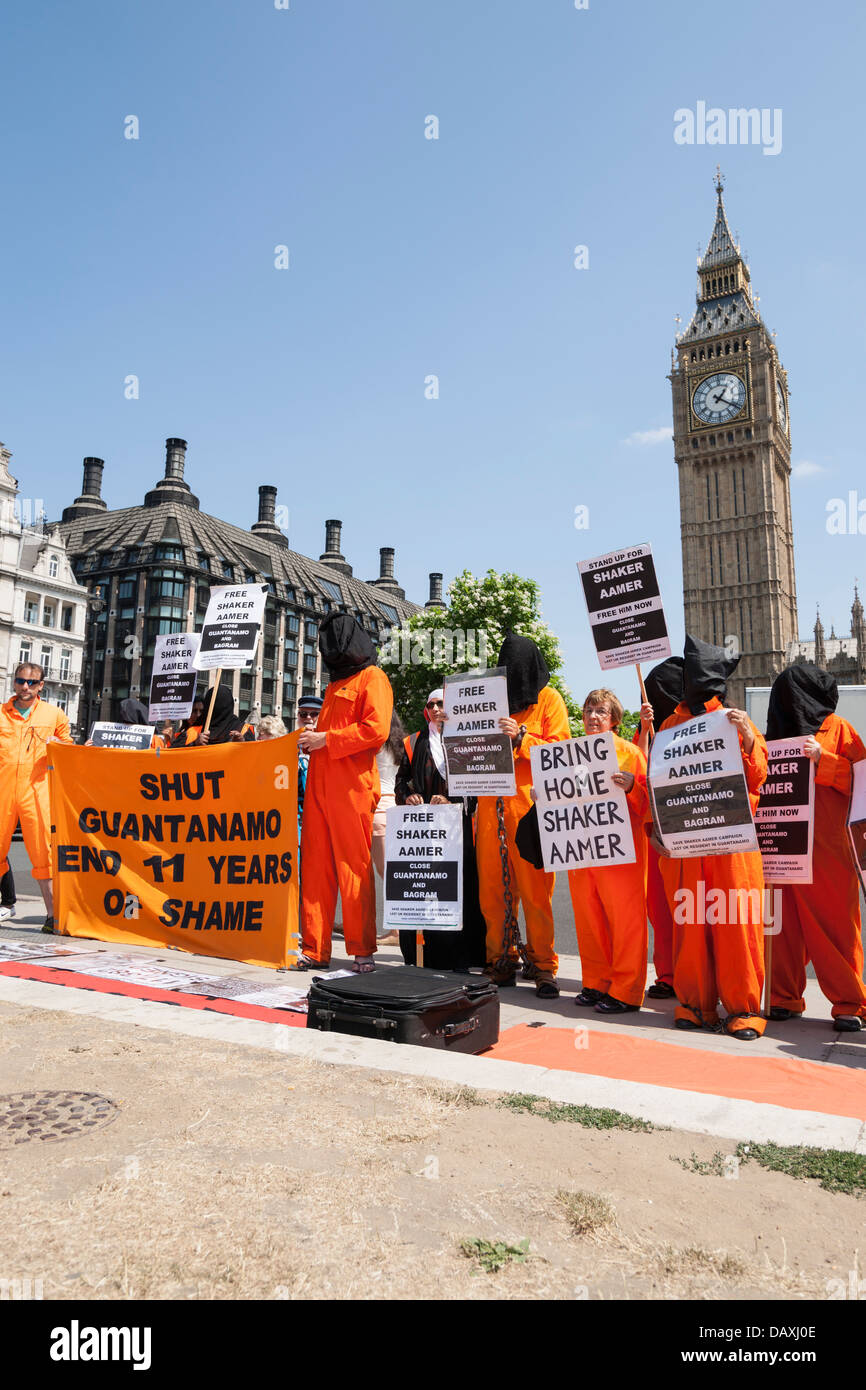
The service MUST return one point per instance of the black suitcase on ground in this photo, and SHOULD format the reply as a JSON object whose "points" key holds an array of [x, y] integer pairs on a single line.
{"points": [[405, 1004]]}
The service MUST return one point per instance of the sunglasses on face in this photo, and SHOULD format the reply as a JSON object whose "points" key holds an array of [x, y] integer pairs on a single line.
{"points": [[22, 680], [435, 704]]}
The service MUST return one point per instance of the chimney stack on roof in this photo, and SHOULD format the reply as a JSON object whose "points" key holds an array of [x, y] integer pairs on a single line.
{"points": [[267, 523], [386, 572], [171, 486], [333, 555], [91, 492], [435, 599]]}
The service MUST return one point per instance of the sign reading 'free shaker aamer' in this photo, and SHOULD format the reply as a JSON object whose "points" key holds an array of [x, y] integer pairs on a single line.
{"points": [[478, 754], [231, 626], [698, 789], [424, 867]]}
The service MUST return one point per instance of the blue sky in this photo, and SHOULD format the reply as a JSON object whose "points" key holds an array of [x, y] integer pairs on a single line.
{"points": [[411, 257]]}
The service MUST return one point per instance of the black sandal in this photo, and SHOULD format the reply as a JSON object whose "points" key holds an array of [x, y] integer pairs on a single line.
{"points": [[546, 989], [587, 997], [661, 990]]}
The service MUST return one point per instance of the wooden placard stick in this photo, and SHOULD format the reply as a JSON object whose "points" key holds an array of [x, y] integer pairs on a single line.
{"points": [[768, 972], [652, 732], [214, 688], [419, 948]]}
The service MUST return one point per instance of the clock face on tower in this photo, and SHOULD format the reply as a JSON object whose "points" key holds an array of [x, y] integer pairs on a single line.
{"points": [[719, 398], [782, 408]]}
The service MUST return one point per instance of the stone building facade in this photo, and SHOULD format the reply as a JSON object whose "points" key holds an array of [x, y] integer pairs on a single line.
{"points": [[843, 657], [733, 454], [43, 608], [154, 565]]}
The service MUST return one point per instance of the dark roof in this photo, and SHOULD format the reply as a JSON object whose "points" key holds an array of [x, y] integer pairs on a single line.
{"points": [[144, 528]]}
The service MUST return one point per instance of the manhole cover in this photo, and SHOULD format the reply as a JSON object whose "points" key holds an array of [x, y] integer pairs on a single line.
{"points": [[52, 1115]]}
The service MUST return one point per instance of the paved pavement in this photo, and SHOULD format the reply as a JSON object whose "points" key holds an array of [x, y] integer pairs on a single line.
{"points": [[800, 1083]]}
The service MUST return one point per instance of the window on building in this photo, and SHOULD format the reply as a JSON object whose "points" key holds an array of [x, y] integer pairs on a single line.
{"points": [[390, 613], [25, 651], [49, 615], [126, 587], [292, 623], [172, 553], [203, 561], [31, 610], [53, 567], [61, 700], [65, 659], [66, 616], [290, 593], [333, 590], [228, 569], [291, 652], [311, 630], [45, 658], [694, 443], [748, 432]]}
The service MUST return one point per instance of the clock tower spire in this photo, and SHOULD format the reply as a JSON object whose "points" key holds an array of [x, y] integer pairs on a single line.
{"points": [[733, 455]]}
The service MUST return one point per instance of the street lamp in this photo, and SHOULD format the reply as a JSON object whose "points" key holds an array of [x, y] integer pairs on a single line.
{"points": [[96, 604]]}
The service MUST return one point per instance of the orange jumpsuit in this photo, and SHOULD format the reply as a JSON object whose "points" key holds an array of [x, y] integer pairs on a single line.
{"points": [[340, 798], [821, 919], [722, 960], [546, 722], [610, 903], [660, 916], [24, 778]]}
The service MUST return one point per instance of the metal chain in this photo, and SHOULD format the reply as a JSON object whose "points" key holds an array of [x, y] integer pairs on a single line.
{"points": [[505, 967]]}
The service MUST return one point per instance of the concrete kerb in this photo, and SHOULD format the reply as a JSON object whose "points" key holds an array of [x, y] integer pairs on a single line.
{"points": [[690, 1111]]}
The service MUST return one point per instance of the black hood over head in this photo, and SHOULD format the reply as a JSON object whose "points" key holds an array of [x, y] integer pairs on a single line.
{"points": [[664, 688], [133, 712], [800, 700], [526, 669], [346, 648], [224, 719], [705, 673]]}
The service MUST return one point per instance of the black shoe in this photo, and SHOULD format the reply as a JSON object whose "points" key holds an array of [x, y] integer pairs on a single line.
{"points": [[744, 1034], [847, 1023], [609, 1005], [687, 1025], [782, 1015], [587, 997], [661, 990], [546, 989], [48, 925]]}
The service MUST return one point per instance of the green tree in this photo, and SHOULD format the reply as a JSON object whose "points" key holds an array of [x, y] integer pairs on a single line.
{"points": [[467, 635]]}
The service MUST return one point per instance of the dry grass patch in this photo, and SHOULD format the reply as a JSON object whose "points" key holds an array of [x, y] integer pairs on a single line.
{"points": [[586, 1213], [695, 1260]]}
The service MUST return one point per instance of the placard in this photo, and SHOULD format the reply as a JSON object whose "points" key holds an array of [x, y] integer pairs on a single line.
{"points": [[134, 736], [424, 867], [174, 675], [785, 818], [625, 607], [583, 816], [857, 819], [198, 850], [478, 756], [698, 789], [231, 626]]}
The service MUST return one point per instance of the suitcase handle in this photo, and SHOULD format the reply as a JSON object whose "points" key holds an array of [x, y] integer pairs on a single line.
{"points": [[328, 1016], [459, 1030]]}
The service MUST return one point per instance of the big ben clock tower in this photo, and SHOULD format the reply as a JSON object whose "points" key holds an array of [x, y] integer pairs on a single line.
{"points": [[733, 452]]}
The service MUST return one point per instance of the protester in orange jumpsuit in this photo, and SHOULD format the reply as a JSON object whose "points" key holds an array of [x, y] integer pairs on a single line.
{"points": [[722, 959], [341, 795], [610, 901], [27, 725], [664, 690], [537, 714], [821, 919]]}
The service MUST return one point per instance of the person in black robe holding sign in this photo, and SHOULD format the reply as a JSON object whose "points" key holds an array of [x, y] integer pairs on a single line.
{"points": [[421, 780], [225, 725]]}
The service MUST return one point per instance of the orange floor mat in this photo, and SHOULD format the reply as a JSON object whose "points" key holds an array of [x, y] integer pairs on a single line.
{"points": [[796, 1085], [23, 970]]}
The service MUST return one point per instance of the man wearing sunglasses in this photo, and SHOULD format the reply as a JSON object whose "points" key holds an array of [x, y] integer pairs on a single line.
{"points": [[27, 725]]}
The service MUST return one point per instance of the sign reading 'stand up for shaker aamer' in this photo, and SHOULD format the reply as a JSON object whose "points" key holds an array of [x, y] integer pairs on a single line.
{"points": [[478, 756], [231, 626], [625, 607]]}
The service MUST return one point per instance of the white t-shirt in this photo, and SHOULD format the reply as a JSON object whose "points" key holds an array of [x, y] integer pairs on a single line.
{"points": [[387, 765]]}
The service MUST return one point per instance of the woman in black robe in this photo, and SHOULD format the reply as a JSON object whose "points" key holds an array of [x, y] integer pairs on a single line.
{"points": [[421, 780]]}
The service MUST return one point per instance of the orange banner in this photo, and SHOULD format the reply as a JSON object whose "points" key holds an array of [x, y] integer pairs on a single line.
{"points": [[196, 849]]}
